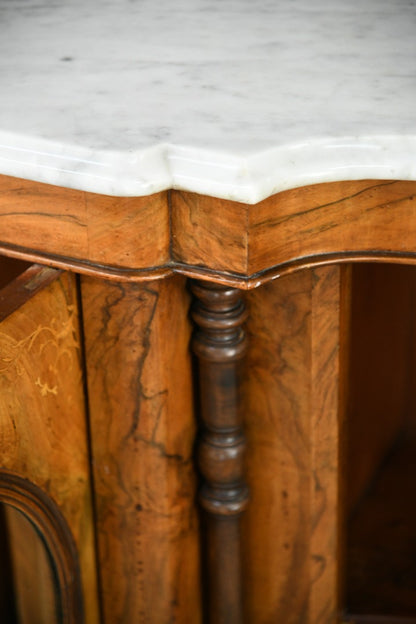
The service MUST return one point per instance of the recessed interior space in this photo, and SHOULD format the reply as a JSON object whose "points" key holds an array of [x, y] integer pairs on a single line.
{"points": [[10, 269], [380, 453], [27, 588]]}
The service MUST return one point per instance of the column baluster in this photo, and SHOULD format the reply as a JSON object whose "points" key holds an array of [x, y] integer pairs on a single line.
{"points": [[220, 343]]}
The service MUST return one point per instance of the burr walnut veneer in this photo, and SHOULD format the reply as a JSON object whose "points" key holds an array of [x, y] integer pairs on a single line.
{"points": [[204, 479]]}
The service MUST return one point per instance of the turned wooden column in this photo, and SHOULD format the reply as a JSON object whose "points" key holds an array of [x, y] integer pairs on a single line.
{"points": [[220, 343]]}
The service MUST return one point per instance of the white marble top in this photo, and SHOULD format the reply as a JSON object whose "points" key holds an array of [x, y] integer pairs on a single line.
{"points": [[231, 98]]}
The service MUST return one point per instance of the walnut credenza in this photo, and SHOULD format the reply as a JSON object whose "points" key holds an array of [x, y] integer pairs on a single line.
{"points": [[103, 391]]}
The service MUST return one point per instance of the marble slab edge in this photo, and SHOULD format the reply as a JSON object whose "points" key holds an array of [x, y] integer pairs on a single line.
{"points": [[247, 178]]}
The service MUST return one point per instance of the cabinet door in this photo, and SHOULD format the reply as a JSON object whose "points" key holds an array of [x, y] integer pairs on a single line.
{"points": [[46, 527]]}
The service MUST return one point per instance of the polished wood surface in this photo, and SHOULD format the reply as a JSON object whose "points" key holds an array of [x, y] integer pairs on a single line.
{"points": [[73, 229], [290, 530], [136, 239], [44, 459], [33, 574], [143, 429], [318, 224], [220, 344], [133, 450]]}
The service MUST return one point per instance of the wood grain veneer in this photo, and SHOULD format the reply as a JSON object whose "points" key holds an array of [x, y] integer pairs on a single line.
{"points": [[41, 378], [136, 239], [293, 424], [143, 429], [318, 224], [140, 385], [33, 575], [73, 228]]}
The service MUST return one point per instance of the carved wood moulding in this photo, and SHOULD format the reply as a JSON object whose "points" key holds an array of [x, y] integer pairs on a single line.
{"points": [[220, 343], [146, 238], [46, 517]]}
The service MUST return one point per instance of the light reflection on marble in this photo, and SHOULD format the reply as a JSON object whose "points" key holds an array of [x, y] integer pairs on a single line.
{"points": [[238, 99]]}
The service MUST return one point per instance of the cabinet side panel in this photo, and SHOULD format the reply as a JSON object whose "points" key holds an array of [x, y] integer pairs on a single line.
{"points": [[43, 435], [326, 429], [276, 524], [291, 389], [142, 425]]}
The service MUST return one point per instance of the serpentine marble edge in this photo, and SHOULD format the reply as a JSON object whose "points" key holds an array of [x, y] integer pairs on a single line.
{"points": [[237, 99]]}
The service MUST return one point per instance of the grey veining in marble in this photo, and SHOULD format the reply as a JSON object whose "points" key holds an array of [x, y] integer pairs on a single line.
{"points": [[237, 99]]}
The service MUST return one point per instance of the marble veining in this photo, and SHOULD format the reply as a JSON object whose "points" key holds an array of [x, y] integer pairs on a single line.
{"points": [[237, 99]]}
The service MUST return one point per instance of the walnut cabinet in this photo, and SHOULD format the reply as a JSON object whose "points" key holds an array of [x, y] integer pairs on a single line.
{"points": [[207, 408]]}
